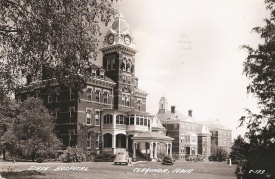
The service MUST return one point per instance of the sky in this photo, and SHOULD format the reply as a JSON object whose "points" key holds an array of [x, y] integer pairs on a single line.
{"points": [[190, 52]]}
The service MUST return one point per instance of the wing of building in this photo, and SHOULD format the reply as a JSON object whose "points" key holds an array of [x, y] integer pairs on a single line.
{"points": [[112, 104], [192, 137]]}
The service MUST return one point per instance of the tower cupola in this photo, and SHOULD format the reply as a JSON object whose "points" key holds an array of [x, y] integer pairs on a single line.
{"points": [[119, 33]]}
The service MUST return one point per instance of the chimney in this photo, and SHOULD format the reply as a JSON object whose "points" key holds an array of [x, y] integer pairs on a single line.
{"points": [[190, 113], [173, 109]]}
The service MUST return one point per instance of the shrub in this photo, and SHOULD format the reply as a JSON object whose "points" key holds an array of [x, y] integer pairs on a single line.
{"points": [[219, 154], [40, 160], [73, 155], [104, 157]]}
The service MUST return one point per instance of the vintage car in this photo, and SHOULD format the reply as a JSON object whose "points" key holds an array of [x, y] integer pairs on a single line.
{"points": [[195, 158], [123, 158]]}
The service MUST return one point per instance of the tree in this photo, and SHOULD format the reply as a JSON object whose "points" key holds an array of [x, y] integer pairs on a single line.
{"points": [[239, 150], [8, 110], [31, 134], [58, 35], [259, 67]]}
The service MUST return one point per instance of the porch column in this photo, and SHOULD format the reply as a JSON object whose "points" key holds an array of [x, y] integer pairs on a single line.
{"points": [[134, 152], [190, 150], [114, 143], [171, 150], [114, 121], [151, 149], [156, 150], [127, 143], [167, 145]]}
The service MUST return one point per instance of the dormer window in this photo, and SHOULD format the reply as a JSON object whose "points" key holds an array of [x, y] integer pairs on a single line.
{"points": [[93, 72], [101, 73]]}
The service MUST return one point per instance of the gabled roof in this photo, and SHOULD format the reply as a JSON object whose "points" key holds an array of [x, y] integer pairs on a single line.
{"points": [[173, 116], [214, 125]]}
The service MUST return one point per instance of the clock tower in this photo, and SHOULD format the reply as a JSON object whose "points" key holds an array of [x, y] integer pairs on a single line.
{"points": [[119, 62]]}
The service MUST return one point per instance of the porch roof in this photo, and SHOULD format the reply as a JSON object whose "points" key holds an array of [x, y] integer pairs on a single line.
{"points": [[152, 136]]}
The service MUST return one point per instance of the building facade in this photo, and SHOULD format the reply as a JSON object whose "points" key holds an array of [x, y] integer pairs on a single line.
{"points": [[192, 137], [111, 104]]}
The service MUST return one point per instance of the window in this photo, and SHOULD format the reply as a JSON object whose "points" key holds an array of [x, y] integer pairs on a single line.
{"points": [[139, 104], [128, 65], [129, 80], [182, 138], [113, 63], [57, 97], [71, 134], [124, 79], [97, 121], [120, 119], [71, 111], [141, 120], [19, 98], [108, 65], [97, 96], [137, 120], [50, 100], [128, 101], [193, 150], [57, 113], [108, 119], [105, 98], [145, 122], [101, 73], [132, 120], [36, 94], [194, 139], [89, 117], [72, 95], [97, 138], [187, 138], [28, 96], [93, 72], [89, 94], [124, 64]]}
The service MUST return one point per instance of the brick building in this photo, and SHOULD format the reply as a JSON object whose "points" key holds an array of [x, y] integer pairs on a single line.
{"points": [[192, 137]]}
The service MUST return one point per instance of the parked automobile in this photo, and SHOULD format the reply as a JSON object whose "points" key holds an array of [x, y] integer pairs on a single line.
{"points": [[196, 158], [123, 158]]}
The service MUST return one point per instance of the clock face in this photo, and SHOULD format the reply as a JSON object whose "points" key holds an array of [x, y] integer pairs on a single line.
{"points": [[127, 40], [111, 39]]}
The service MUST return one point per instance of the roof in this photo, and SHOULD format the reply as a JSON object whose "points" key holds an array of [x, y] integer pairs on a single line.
{"points": [[213, 124], [173, 116], [203, 129], [152, 136], [156, 123]]}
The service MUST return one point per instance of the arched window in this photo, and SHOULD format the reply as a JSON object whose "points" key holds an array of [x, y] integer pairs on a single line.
{"points": [[108, 119], [107, 140], [120, 119], [128, 65], [123, 64]]}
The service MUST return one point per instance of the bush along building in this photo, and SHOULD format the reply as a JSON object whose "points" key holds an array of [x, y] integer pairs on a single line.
{"points": [[192, 137], [111, 104]]}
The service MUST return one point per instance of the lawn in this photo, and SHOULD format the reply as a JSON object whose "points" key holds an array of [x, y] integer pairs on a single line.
{"points": [[101, 170]]}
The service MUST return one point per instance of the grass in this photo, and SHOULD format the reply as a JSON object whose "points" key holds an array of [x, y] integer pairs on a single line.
{"points": [[106, 170]]}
